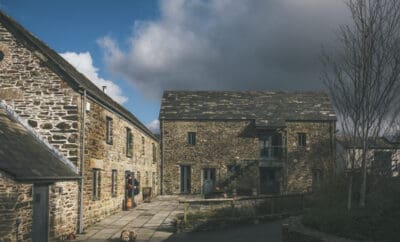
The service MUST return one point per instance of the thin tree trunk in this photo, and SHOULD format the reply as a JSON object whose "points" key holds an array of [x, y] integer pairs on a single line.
{"points": [[363, 190], [350, 192]]}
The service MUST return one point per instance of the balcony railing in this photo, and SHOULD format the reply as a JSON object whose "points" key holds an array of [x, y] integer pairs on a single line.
{"points": [[273, 152]]}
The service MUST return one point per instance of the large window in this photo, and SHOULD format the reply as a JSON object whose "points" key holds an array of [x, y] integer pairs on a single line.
{"points": [[154, 153], [114, 183], [302, 139], [96, 184], [109, 130], [271, 145], [129, 142], [192, 138]]}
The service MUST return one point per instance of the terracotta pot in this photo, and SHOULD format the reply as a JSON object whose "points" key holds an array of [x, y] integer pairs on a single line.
{"points": [[128, 204]]}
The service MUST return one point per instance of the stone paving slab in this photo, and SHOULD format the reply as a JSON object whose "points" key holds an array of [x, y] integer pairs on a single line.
{"points": [[152, 221]]}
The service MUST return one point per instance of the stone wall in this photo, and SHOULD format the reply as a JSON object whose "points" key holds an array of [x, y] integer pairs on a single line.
{"points": [[107, 157], [218, 144], [51, 107], [223, 143], [319, 154], [15, 205]]}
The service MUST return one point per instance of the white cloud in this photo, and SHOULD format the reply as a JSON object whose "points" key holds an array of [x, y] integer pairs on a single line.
{"points": [[83, 63], [154, 126], [228, 44]]}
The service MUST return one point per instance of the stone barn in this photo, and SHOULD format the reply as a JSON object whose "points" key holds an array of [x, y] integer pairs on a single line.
{"points": [[250, 141], [29, 168], [101, 138]]}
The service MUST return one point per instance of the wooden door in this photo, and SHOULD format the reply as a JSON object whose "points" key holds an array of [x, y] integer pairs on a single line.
{"points": [[40, 227]]}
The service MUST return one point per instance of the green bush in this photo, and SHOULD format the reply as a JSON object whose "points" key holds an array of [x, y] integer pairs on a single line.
{"points": [[378, 221]]}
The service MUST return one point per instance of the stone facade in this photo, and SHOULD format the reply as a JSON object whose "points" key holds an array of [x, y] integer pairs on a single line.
{"points": [[15, 209], [53, 107], [220, 144], [107, 157]]}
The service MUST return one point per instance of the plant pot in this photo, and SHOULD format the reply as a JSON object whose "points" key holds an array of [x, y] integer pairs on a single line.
{"points": [[128, 203]]}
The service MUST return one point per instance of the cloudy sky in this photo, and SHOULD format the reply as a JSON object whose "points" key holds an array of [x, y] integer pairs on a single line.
{"points": [[140, 48]]}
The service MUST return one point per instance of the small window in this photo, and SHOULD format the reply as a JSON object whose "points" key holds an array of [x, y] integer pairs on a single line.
{"points": [[302, 139], [109, 130], [154, 153], [192, 138], [1, 55], [143, 146], [114, 183], [96, 184], [129, 142]]}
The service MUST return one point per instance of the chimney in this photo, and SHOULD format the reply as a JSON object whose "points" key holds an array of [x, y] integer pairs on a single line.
{"points": [[104, 88]]}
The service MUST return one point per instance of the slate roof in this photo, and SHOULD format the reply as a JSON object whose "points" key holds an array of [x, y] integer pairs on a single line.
{"points": [[25, 156], [265, 107], [60, 66]]}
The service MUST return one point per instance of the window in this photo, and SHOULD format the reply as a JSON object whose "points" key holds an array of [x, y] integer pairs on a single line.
{"points": [[109, 130], [143, 148], [232, 169], [147, 178], [154, 153], [96, 184], [138, 176], [382, 164], [129, 142], [302, 139], [153, 177], [114, 183], [192, 138], [271, 145], [1, 55]]}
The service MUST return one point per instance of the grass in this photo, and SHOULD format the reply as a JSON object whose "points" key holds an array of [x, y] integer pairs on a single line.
{"points": [[378, 221]]}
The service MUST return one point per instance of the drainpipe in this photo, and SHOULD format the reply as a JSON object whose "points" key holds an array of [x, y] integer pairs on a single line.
{"points": [[82, 135], [162, 158]]}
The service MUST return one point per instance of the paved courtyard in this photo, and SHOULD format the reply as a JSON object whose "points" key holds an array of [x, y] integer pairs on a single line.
{"points": [[152, 221]]}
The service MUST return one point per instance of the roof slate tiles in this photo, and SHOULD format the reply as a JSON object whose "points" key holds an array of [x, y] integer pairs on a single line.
{"points": [[266, 107]]}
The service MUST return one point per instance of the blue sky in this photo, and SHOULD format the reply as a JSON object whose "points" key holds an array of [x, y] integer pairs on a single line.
{"points": [[139, 48], [76, 26]]}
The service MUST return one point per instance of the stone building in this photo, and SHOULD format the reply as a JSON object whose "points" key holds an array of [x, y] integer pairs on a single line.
{"points": [[29, 168], [382, 156], [100, 137], [251, 141]]}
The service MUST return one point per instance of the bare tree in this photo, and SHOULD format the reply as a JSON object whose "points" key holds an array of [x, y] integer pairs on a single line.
{"points": [[363, 77]]}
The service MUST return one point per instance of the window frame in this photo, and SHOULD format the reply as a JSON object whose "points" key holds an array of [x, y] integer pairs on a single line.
{"points": [[154, 153], [302, 139], [129, 143], [96, 184], [114, 179], [143, 146], [191, 138], [109, 130], [271, 145]]}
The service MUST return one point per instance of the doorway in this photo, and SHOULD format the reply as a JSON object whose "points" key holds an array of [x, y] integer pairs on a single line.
{"points": [[208, 180], [129, 188], [40, 223], [269, 180], [185, 179]]}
